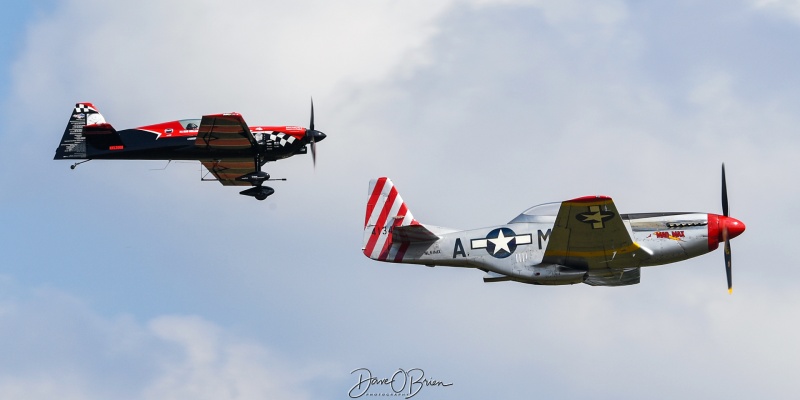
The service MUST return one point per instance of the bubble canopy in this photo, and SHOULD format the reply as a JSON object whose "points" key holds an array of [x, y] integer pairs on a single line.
{"points": [[541, 213]]}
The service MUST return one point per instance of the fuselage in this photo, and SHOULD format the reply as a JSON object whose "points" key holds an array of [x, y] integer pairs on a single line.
{"points": [[516, 250], [176, 140], [581, 240]]}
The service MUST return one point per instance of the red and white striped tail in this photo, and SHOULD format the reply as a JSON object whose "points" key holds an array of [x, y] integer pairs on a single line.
{"points": [[385, 210]]}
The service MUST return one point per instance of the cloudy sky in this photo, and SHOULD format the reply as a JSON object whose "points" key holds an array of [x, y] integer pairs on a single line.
{"points": [[126, 280]]}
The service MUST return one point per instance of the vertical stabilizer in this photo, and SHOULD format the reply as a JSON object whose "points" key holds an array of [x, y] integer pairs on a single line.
{"points": [[73, 143], [385, 211]]}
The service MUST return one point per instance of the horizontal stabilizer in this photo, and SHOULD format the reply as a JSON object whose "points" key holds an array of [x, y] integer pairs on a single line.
{"points": [[102, 136], [413, 233], [495, 277]]}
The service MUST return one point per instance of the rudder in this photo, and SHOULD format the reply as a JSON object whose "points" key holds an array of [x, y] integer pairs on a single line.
{"points": [[385, 211], [86, 124]]}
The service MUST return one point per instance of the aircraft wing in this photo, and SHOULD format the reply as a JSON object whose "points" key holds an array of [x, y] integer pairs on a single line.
{"points": [[229, 132], [226, 171], [224, 131], [589, 234]]}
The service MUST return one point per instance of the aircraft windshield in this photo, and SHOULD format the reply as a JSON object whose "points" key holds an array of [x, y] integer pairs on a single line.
{"points": [[190, 124], [542, 213]]}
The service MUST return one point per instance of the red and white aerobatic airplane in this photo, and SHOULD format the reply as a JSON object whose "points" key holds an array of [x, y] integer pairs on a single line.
{"points": [[231, 150], [583, 240]]}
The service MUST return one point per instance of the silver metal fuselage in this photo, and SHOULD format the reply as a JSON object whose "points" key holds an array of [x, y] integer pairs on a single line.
{"points": [[662, 238]]}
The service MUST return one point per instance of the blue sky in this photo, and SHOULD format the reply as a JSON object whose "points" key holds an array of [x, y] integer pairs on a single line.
{"points": [[122, 280]]}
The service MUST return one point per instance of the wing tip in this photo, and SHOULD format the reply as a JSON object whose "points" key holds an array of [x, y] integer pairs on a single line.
{"points": [[589, 199]]}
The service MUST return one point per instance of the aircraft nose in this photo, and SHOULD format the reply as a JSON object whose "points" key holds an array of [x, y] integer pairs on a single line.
{"points": [[313, 134], [733, 225], [717, 225]]}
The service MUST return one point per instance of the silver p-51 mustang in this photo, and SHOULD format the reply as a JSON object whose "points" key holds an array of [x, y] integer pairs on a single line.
{"points": [[583, 240]]}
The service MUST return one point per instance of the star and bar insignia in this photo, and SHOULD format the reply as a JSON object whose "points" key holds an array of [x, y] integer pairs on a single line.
{"points": [[501, 242], [595, 216]]}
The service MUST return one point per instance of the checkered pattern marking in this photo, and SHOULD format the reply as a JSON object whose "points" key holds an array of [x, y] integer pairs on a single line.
{"points": [[83, 108], [280, 138]]}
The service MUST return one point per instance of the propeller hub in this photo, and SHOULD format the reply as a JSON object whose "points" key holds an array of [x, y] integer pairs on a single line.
{"points": [[732, 225], [717, 225], [315, 135]]}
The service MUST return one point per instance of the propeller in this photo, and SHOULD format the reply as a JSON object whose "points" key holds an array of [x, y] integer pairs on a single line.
{"points": [[313, 135], [725, 237], [729, 228]]}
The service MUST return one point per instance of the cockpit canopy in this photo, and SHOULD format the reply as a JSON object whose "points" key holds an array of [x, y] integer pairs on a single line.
{"points": [[190, 124], [546, 212]]}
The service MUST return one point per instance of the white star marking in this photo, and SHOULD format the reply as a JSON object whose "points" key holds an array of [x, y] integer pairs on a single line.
{"points": [[501, 242], [593, 217]]}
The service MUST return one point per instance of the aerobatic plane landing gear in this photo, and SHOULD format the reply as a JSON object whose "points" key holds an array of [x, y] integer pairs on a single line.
{"points": [[257, 179], [259, 192]]}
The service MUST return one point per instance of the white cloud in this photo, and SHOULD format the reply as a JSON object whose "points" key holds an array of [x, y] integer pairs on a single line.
{"points": [[212, 367], [790, 8], [247, 54], [63, 349]]}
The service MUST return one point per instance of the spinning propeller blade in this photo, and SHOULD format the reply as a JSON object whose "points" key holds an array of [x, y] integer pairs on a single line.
{"points": [[313, 141], [735, 225], [724, 191], [728, 262], [313, 135]]}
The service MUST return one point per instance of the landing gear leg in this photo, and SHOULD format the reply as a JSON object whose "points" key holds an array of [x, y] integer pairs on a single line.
{"points": [[257, 179]]}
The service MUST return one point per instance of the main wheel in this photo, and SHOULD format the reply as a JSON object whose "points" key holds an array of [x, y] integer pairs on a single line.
{"points": [[259, 192]]}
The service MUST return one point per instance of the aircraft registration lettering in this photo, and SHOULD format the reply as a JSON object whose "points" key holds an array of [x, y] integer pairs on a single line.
{"points": [[543, 236], [381, 230], [459, 249]]}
